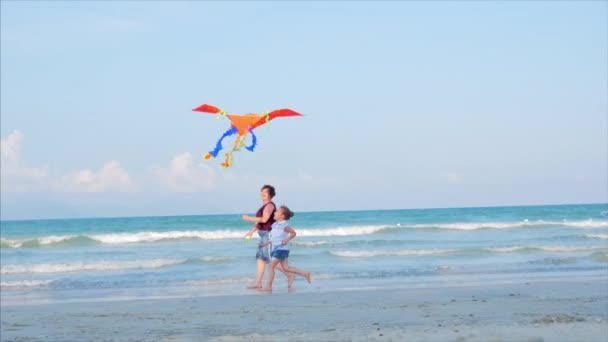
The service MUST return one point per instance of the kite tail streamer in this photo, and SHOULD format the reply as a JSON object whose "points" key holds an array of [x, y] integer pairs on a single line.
{"points": [[218, 146], [228, 160], [254, 141], [240, 142]]}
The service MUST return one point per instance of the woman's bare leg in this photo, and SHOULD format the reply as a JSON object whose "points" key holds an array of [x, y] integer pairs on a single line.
{"points": [[259, 276]]}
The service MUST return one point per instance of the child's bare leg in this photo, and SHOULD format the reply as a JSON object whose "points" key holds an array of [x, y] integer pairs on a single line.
{"points": [[290, 276], [288, 268], [273, 264]]}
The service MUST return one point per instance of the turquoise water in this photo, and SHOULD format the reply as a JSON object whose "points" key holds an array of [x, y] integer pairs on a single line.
{"points": [[57, 260]]}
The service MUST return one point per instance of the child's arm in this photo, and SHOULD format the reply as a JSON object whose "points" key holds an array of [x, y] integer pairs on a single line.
{"points": [[292, 234]]}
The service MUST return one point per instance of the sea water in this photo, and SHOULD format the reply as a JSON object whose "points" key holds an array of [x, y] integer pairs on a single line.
{"points": [[179, 256]]}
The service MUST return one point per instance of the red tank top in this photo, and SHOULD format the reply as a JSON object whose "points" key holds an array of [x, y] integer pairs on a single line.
{"points": [[268, 225]]}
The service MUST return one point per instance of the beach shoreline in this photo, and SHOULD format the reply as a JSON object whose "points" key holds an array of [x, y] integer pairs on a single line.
{"points": [[536, 309]]}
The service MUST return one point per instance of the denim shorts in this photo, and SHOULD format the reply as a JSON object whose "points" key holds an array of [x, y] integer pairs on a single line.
{"points": [[280, 254], [263, 252]]}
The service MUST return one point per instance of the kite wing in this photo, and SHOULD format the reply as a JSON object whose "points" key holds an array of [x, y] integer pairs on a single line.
{"points": [[275, 114], [207, 109]]}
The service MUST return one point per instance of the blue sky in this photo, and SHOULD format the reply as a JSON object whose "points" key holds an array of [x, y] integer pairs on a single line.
{"points": [[406, 104]]}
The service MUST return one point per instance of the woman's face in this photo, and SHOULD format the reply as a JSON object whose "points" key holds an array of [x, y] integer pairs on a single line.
{"points": [[265, 195]]}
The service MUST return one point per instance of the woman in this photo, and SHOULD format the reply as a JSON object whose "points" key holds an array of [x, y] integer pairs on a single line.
{"points": [[264, 218]]}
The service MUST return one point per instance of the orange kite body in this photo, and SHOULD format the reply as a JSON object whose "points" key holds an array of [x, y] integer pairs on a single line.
{"points": [[243, 122], [242, 125]]}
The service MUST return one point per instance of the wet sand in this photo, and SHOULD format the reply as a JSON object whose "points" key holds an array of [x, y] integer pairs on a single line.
{"points": [[553, 309]]}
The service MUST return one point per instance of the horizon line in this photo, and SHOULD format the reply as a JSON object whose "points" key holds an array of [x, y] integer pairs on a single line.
{"points": [[307, 212]]}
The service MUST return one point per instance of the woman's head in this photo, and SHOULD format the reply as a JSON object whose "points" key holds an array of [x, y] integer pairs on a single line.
{"points": [[267, 192], [283, 213]]}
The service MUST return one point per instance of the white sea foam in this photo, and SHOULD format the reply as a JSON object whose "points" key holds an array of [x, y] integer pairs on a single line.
{"points": [[585, 224], [403, 252], [597, 236], [92, 266], [216, 259], [45, 240], [570, 248], [343, 231], [120, 238], [553, 249], [24, 283], [504, 249], [151, 236], [512, 225], [40, 241], [309, 243], [220, 281]]}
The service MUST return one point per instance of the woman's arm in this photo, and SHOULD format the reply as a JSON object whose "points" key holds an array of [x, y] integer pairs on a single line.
{"points": [[250, 233], [265, 215]]}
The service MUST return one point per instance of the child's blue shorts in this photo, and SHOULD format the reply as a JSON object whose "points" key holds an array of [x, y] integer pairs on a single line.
{"points": [[280, 254]]}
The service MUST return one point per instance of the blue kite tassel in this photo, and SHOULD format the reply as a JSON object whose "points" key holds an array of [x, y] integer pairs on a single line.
{"points": [[254, 141], [218, 146]]}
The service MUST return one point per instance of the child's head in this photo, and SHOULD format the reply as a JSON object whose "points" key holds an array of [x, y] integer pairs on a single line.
{"points": [[283, 213]]}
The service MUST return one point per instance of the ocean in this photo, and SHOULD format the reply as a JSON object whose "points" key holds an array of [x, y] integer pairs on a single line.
{"points": [[103, 259]]}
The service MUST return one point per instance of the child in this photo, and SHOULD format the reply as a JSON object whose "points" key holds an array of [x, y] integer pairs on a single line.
{"points": [[280, 235]]}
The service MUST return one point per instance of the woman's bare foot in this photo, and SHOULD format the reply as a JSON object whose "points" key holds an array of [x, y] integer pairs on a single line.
{"points": [[307, 276], [290, 278], [265, 289], [256, 286]]}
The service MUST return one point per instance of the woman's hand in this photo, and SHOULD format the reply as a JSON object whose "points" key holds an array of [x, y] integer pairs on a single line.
{"points": [[246, 218], [284, 242]]}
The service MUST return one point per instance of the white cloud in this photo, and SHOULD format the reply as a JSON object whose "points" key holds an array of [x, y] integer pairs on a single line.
{"points": [[10, 148], [111, 177], [455, 178], [183, 175], [15, 176]]}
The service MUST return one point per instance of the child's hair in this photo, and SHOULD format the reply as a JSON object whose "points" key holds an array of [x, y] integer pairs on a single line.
{"points": [[288, 213]]}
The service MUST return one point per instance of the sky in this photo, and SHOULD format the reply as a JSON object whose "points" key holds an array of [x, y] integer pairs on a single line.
{"points": [[405, 105]]}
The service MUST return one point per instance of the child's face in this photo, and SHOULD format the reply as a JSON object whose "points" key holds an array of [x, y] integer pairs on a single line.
{"points": [[278, 215]]}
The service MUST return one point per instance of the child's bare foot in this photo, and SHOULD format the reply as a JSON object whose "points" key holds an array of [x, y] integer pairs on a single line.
{"points": [[256, 286], [307, 276], [265, 289], [290, 278]]}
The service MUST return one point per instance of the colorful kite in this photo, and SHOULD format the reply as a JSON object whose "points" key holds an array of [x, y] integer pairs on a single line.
{"points": [[242, 125]]}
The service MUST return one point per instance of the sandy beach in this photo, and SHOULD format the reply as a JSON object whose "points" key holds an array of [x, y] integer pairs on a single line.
{"points": [[542, 309]]}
